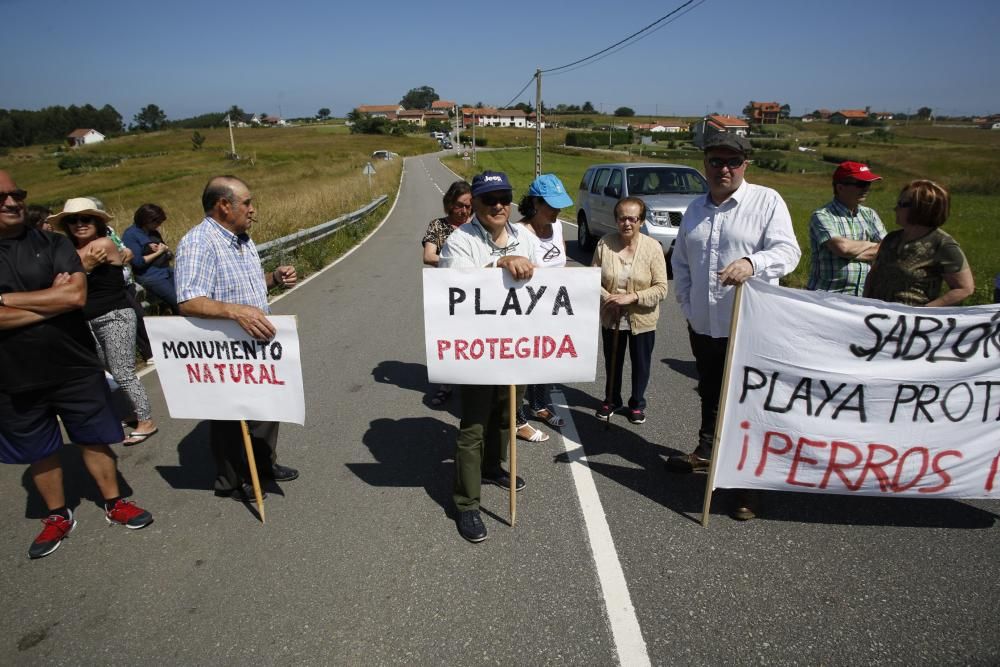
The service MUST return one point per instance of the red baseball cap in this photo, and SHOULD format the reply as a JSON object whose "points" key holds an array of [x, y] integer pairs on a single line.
{"points": [[856, 171]]}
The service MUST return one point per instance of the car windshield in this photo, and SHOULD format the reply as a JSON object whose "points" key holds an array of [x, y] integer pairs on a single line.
{"points": [[665, 181]]}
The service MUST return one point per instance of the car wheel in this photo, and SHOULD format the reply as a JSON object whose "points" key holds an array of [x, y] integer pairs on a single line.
{"points": [[583, 236]]}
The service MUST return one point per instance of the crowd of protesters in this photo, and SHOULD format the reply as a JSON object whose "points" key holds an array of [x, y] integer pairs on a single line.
{"points": [[67, 317]]}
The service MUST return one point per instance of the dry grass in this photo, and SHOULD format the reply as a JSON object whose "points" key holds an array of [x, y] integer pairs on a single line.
{"points": [[300, 177]]}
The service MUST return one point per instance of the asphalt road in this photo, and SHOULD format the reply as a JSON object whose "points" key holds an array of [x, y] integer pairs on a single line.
{"points": [[360, 562]]}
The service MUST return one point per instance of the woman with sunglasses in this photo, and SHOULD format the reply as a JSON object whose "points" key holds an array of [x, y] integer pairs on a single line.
{"points": [[633, 282], [107, 311], [457, 211], [914, 260], [540, 218]]}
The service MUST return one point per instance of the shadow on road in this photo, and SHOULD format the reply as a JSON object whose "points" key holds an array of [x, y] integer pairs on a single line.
{"points": [[195, 468], [408, 375], [77, 484], [685, 367], [684, 494], [412, 452]]}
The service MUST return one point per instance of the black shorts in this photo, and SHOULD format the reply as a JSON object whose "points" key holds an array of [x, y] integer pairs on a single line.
{"points": [[29, 430]]}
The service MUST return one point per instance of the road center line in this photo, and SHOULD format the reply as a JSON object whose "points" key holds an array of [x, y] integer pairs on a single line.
{"points": [[624, 624]]}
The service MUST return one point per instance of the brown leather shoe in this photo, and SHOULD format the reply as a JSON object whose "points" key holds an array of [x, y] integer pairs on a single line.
{"points": [[687, 463], [746, 506]]}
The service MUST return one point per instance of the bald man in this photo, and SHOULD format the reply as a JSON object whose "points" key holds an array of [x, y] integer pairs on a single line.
{"points": [[49, 368], [218, 275]]}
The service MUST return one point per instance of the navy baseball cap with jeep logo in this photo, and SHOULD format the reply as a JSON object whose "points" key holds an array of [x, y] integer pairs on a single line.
{"points": [[489, 181]]}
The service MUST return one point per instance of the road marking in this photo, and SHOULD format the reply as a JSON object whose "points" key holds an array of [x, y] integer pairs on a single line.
{"points": [[624, 624]]}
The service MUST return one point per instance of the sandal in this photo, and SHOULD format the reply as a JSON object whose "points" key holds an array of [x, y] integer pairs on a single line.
{"points": [[440, 397], [136, 438], [549, 416], [529, 433]]}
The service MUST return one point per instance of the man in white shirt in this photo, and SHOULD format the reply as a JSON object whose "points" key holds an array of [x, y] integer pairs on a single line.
{"points": [[735, 232], [488, 240]]}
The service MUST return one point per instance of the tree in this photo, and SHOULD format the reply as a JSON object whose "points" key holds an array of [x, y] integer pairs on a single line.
{"points": [[235, 113], [924, 113], [197, 139], [785, 112], [151, 118], [624, 112], [588, 107], [323, 113], [419, 98], [748, 109]]}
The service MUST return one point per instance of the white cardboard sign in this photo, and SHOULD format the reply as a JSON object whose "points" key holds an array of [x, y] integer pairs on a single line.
{"points": [[835, 394], [483, 327], [213, 369]]}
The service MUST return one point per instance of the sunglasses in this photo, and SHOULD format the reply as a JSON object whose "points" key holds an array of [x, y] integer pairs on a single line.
{"points": [[857, 184], [731, 162], [628, 218], [904, 204], [81, 220], [504, 199], [16, 195]]}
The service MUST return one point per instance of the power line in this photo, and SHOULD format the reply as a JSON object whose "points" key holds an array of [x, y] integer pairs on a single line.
{"points": [[514, 99], [601, 55], [620, 42]]}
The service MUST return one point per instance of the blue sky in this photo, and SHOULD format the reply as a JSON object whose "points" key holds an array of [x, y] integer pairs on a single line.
{"points": [[294, 57]]}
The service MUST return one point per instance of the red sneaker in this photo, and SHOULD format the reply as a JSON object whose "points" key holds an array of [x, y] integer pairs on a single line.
{"points": [[128, 514], [56, 529]]}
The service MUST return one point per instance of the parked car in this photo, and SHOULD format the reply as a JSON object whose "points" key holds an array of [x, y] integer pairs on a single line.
{"points": [[447, 145], [666, 189], [384, 155]]}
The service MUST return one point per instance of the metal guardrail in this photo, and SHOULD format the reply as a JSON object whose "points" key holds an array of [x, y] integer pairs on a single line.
{"points": [[304, 236], [295, 240]]}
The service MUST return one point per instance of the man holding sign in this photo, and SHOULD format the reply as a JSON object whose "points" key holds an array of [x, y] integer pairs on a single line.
{"points": [[218, 275], [486, 241], [736, 232]]}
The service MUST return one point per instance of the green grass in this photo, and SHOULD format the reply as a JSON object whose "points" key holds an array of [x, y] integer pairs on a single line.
{"points": [[971, 172]]}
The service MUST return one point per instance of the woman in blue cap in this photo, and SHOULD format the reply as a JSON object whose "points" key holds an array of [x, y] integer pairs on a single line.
{"points": [[540, 218]]}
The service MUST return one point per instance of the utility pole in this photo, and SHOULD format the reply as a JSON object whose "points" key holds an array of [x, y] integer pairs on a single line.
{"points": [[474, 123], [538, 123], [232, 142]]}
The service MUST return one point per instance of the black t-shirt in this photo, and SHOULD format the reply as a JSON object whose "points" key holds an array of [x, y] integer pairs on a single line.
{"points": [[58, 348], [105, 291]]}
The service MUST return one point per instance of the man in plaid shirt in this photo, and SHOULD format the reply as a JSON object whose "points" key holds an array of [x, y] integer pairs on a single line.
{"points": [[218, 275], [844, 235]]}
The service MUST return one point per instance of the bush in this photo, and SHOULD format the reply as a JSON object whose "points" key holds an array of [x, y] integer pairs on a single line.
{"points": [[597, 139], [466, 138], [76, 162]]}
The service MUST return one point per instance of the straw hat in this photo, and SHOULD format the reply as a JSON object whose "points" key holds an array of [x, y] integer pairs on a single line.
{"points": [[79, 206]]}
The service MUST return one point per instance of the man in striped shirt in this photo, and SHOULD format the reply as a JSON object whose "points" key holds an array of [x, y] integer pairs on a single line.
{"points": [[218, 275], [844, 235]]}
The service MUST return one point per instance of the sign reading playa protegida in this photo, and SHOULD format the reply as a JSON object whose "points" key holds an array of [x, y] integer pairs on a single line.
{"points": [[213, 369], [483, 327]]}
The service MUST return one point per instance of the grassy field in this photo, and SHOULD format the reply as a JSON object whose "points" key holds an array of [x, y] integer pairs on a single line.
{"points": [[965, 160], [300, 177]]}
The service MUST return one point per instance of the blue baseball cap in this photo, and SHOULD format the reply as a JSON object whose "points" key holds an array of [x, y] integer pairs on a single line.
{"points": [[550, 188], [489, 181]]}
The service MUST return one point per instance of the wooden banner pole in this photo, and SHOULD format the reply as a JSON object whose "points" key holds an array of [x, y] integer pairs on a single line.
{"points": [[710, 483], [512, 400], [252, 463]]}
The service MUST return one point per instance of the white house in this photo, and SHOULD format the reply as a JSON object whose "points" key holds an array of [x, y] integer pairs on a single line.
{"points": [[84, 136]]}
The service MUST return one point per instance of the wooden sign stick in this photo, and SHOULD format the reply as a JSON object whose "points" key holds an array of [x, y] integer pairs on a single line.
{"points": [[512, 399], [252, 463]]}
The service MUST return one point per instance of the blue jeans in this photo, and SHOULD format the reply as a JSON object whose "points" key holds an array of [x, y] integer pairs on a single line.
{"points": [[162, 287]]}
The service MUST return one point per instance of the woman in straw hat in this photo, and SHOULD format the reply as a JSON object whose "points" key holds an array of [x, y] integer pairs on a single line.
{"points": [[107, 310]]}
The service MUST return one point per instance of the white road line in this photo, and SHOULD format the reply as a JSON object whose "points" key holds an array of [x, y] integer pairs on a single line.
{"points": [[624, 624]]}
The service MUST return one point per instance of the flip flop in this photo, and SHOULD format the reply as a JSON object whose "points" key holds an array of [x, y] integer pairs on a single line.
{"points": [[136, 438]]}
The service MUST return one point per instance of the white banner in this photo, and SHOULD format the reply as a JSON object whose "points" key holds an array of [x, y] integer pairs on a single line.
{"points": [[483, 327], [213, 369], [836, 394]]}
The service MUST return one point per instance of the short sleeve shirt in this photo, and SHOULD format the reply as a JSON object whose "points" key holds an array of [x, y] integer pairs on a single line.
{"points": [[56, 349], [437, 233], [828, 271], [213, 262], [911, 272]]}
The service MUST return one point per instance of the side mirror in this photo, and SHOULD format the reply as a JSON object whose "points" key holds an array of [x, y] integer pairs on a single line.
{"points": [[612, 191]]}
